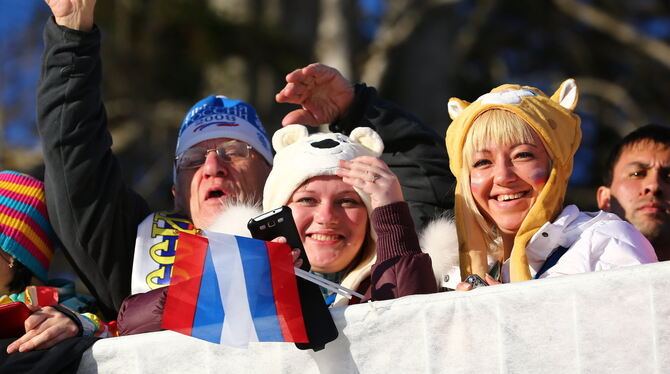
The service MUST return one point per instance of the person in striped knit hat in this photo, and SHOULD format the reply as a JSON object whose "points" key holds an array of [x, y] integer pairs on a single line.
{"points": [[27, 245]]}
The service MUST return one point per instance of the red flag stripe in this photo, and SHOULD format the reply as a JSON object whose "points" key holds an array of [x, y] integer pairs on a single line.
{"points": [[285, 290], [185, 280]]}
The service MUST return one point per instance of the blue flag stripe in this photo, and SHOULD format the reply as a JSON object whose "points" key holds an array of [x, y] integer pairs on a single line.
{"points": [[209, 314], [260, 294]]}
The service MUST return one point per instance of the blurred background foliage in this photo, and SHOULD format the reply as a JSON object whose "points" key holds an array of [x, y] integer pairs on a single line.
{"points": [[160, 57]]}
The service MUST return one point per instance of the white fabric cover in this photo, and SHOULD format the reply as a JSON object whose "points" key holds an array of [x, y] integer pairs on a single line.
{"points": [[612, 321]]}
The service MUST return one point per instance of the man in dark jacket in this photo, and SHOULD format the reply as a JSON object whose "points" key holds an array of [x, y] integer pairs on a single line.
{"points": [[96, 215]]}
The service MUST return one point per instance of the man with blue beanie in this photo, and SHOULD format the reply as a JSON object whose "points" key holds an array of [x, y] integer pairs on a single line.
{"points": [[223, 156], [223, 153]]}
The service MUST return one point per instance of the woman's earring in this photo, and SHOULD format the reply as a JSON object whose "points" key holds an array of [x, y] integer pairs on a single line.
{"points": [[11, 263]]}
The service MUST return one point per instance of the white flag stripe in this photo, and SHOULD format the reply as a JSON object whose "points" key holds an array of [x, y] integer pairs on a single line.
{"points": [[238, 327]]}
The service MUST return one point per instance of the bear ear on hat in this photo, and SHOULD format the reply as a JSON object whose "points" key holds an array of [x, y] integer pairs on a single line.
{"points": [[567, 94], [456, 106], [368, 138], [288, 135]]}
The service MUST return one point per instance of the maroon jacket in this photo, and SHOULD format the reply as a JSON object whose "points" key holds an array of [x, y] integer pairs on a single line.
{"points": [[401, 269]]}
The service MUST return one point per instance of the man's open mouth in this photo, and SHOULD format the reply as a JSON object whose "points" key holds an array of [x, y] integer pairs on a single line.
{"points": [[214, 194]]}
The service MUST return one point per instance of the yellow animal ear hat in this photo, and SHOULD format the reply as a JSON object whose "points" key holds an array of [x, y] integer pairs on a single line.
{"points": [[554, 121]]}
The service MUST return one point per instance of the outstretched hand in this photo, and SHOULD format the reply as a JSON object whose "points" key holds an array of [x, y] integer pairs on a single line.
{"points": [[45, 327], [73, 14], [374, 177], [321, 90]]}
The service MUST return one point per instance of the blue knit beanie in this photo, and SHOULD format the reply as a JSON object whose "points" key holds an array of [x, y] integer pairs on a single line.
{"points": [[220, 117]]}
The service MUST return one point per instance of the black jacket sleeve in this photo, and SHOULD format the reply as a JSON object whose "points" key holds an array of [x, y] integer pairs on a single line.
{"points": [[92, 211], [413, 151]]}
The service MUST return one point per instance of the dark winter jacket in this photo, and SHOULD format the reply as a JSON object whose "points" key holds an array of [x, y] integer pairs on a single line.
{"points": [[91, 209]]}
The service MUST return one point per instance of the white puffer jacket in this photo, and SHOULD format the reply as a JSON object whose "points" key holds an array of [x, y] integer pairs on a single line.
{"points": [[596, 241]]}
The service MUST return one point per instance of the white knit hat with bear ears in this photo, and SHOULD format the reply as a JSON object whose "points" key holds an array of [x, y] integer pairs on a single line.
{"points": [[300, 156]]}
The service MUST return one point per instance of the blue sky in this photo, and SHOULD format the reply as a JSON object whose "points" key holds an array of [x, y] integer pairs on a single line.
{"points": [[19, 67], [16, 13]]}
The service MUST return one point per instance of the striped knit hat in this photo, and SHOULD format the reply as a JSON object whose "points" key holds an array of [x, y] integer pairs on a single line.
{"points": [[25, 232]]}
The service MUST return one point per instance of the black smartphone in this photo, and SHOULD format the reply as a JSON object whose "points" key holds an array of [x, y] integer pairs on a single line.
{"points": [[275, 223], [318, 320], [475, 281]]}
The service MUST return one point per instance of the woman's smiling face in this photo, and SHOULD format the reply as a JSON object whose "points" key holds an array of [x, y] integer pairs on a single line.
{"points": [[332, 221], [506, 180]]}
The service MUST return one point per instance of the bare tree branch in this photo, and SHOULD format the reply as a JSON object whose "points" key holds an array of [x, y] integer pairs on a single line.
{"points": [[332, 44], [618, 97], [398, 24], [617, 29]]}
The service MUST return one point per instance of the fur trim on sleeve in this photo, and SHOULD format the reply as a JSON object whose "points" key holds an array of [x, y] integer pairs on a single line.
{"points": [[440, 241]]}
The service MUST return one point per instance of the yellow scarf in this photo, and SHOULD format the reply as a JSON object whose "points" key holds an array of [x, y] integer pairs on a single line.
{"points": [[554, 121]]}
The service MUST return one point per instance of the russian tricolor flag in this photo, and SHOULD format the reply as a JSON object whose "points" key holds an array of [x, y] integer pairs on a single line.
{"points": [[234, 290]]}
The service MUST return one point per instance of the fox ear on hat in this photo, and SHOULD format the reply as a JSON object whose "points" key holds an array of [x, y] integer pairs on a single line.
{"points": [[567, 94], [288, 135], [456, 106], [368, 138]]}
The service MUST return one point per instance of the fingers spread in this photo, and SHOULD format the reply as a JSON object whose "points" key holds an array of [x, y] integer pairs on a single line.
{"points": [[300, 116], [291, 93], [294, 76]]}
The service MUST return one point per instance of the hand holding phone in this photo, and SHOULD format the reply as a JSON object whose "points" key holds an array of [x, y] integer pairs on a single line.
{"points": [[275, 223], [475, 281], [318, 320]]}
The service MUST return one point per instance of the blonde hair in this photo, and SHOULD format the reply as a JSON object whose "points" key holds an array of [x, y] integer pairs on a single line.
{"points": [[495, 126]]}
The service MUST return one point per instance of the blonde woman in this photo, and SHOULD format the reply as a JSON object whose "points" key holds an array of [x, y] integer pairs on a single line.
{"points": [[512, 152]]}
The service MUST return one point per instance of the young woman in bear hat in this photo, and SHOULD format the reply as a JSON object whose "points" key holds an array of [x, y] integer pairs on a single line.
{"points": [[349, 210], [512, 152]]}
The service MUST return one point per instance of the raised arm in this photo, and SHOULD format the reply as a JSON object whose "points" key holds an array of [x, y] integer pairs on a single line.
{"points": [[413, 151], [73, 14], [91, 209]]}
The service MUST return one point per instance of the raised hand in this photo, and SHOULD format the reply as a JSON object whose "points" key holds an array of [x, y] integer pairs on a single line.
{"points": [[374, 177], [321, 90], [73, 14]]}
